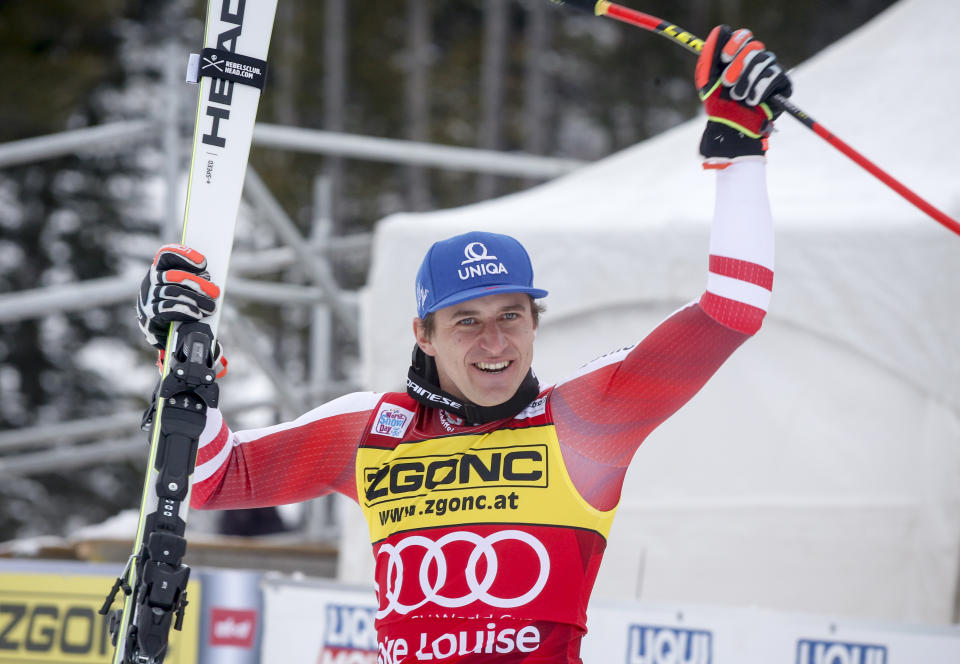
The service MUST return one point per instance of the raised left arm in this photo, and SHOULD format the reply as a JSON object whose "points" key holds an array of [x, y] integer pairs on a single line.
{"points": [[605, 412]]}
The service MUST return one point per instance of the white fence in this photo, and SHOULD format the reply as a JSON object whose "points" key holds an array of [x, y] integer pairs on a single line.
{"points": [[317, 622]]}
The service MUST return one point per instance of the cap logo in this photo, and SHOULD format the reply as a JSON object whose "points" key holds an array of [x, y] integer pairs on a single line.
{"points": [[476, 252], [474, 255]]}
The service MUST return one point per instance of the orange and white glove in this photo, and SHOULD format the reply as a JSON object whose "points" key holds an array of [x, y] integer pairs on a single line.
{"points": [[735, 76], [177, 287]]}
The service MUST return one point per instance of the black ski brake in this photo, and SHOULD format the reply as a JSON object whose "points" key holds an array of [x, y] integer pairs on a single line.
{"points": [[160, 594]]}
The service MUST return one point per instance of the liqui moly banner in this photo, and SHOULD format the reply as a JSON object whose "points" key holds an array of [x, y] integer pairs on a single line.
{"points": [[637, 633], [318, 622]]}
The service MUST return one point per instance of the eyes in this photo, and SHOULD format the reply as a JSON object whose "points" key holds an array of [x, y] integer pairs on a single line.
{"points": [[471, 321]]}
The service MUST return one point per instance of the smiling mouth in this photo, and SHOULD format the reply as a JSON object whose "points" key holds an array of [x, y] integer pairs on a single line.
{"points": [[492, 367]]}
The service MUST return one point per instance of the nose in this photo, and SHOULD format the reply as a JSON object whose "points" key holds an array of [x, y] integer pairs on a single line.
{"points": [[492, 338]]}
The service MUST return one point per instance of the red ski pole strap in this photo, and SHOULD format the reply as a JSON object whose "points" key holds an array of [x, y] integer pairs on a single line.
{"points": [[233, 67]]}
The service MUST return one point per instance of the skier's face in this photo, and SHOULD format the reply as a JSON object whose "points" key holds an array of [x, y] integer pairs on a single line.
{"points": [[483, 348]]}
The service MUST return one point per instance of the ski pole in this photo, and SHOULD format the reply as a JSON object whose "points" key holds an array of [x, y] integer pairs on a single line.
{"points": [[687, 40]]}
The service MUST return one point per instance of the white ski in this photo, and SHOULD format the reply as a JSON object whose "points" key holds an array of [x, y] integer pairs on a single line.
{"points": [[231, 71]]}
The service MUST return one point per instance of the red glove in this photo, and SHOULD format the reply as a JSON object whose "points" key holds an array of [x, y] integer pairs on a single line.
{"points": [[735, 76]]}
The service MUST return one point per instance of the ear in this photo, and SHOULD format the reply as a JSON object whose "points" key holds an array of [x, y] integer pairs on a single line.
{"points": [[421, 336]]}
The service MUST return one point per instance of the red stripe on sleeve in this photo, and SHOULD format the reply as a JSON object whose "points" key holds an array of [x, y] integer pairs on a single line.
{"points": [[730, 313], [742, 270], [213, 448], [202, 492]]}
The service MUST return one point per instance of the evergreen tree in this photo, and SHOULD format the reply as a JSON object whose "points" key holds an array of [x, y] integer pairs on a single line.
{"points": [[72, 65]]}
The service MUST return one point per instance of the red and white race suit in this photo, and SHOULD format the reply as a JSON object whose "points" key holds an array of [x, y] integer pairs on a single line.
{"points": [[488, 539]]}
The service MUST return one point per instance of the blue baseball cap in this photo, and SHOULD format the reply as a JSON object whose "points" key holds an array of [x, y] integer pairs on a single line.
{"points": [[473, 265]]}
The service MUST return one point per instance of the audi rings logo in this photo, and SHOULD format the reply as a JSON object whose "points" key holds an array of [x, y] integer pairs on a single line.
{"points": [[476, 251], [479, 588]]}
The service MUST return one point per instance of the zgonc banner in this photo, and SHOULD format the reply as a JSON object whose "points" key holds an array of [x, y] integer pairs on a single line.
{"points": [[49, 612], [53, 617]]}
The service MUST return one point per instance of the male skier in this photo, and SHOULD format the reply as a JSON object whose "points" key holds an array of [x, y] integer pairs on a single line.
{"points": [[489, 497]]}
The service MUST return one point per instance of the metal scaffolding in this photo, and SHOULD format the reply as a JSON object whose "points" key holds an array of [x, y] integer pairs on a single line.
{"points": [[55, 446]]}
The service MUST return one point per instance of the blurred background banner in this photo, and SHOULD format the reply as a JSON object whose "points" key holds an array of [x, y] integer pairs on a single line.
{"points": [[49, 612], [818, 472]]}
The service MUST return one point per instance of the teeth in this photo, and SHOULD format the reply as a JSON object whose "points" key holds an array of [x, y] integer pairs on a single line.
{"points": [[492, 366]]}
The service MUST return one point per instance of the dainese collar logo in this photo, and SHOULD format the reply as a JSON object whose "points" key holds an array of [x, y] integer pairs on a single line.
{"points": [[475, 253]]}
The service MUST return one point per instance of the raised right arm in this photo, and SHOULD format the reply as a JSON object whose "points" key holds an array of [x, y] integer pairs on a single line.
{"points": [[311, 456]]}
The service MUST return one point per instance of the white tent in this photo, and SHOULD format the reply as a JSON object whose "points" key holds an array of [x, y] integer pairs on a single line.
{"points": [[820, 469]]}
